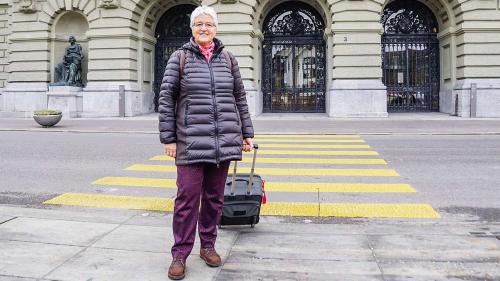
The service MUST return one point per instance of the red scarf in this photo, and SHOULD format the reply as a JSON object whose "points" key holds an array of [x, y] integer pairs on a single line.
{"points": [[207, 51]]}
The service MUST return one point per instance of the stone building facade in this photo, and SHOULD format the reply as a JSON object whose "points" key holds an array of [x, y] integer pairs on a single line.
{"points": [[345, 58]]}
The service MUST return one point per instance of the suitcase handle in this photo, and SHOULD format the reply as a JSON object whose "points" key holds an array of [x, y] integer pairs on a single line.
{"points": [[250, 181], [252, 171]]}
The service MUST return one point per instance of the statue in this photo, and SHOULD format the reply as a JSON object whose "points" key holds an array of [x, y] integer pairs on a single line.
{"points": [[69, 72]]}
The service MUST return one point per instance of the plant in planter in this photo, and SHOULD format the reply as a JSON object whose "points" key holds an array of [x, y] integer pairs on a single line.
{"points": [[47, 117]]}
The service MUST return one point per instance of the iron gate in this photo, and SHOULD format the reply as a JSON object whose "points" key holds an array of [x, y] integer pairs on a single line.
{"points": [[410, 63], [172, 31], [294, 55]]}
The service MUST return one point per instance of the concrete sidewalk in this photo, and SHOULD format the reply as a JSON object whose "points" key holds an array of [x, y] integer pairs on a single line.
{"points": [[61, 243], [396, 123]]}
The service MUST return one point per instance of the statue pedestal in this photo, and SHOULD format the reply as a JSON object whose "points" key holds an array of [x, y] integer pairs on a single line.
{"points": [[68, 99]]}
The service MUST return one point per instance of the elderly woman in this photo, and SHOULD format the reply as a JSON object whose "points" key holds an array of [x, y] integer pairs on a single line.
{"points": [[204, 124]]}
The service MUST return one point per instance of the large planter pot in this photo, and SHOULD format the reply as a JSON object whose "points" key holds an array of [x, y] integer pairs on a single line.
{"points": [[47, 120]]}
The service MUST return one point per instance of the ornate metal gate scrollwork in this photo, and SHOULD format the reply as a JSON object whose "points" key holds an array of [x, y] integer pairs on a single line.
{"points": [[410, 57], [172, 31], [294, 56]]}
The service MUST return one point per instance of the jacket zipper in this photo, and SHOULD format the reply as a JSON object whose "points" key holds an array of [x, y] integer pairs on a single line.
{"points": [[186, 114], [212, 84]]}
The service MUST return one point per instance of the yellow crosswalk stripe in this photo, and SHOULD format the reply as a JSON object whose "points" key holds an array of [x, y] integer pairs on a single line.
{"points": [[284, 172], [337, 187], [113, 201], [286, 145], [271, 186], [271, 208], [262, 140], [305, 136], [349, 210], [332, 161], [314, 152]]}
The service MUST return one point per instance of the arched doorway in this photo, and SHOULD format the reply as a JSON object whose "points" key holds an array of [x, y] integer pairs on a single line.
{"points": [[171, 32], [294, 55], [410, 50]]}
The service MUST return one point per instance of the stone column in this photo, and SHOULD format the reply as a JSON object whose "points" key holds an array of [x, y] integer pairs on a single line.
{"points": [[28, 63], [356, 89], [236, 32], [478, 61], [113, 61]]}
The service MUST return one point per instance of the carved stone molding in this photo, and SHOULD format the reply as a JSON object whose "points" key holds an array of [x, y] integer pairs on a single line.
{"points": [[109, 4], [27, 6]]}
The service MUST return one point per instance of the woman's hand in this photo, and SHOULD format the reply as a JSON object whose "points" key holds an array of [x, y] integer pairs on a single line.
{"points": [[171, 149], [247, 144]]}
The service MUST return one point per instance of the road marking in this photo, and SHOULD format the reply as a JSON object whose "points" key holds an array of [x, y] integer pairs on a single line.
{"points": [[283, 171], [113, 201], [344, 146], [271, 208], [332, 161], [314, 152], [305, 136], [338, 187], [271, 186], [263, 140], [348, 210]]}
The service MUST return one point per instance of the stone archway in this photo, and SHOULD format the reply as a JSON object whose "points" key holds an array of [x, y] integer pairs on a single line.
{"points": [[294, 59], [410, 57]]}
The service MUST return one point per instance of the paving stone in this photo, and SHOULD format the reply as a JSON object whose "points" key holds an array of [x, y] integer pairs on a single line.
{"points": [[436, 247], [5, 218], [440, 270], [156, 239], [251, 262], [268, 275], [28, 259], [54, 231], [72, 214], [120, 265]]}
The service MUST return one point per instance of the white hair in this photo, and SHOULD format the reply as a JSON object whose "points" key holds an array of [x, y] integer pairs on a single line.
{"points": [[204, 10]]}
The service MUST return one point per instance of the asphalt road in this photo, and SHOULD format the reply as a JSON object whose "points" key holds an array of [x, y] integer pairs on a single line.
{"points": [[457, 175]]}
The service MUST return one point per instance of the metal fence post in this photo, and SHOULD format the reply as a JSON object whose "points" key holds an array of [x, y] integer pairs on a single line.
{"points": [[121, 101], [473, 100]]}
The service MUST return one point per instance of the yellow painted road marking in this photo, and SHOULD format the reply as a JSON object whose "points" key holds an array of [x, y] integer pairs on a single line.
{"points": [[262, 140], [333, 161], [113, 201], [284, 172], [305, 136], [337, 187], [137, 182], [271, 208], [315, 152], [272, 145], [350, 210], [271, 186]]}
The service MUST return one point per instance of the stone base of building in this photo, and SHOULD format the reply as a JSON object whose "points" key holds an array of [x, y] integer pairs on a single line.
{"points": [[357, 98], [472, 98], [254, 98], [103, 100], [95, 100], [21, 99], [67, 99]]}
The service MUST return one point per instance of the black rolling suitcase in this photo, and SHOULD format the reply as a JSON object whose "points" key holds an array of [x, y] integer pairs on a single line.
{"points": [[243, 195]]}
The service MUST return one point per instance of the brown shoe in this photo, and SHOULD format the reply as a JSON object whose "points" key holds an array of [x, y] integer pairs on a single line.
{"points": [[210, 256], [177, 269]]}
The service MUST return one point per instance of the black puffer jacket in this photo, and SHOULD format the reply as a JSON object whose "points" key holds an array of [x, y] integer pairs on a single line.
{"points": [[205, 113]]}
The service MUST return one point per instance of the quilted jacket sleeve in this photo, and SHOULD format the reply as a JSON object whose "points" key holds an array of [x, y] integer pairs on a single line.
{"points": [[241, 100], [169, 91]]}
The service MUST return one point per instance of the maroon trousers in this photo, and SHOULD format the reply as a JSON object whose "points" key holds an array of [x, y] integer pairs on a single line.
{"points": [[198, 182]]}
